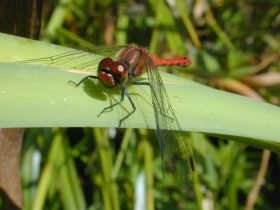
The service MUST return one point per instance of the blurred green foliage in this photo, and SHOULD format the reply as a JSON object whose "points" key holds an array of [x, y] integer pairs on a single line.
{"points": [[100, 168]]}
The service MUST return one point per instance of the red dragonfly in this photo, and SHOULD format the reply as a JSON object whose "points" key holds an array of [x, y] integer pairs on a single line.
{"points": [[131, 62]]}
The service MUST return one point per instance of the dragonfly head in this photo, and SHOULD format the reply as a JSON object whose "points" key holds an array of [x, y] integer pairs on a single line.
{"points": [[112, 73]]}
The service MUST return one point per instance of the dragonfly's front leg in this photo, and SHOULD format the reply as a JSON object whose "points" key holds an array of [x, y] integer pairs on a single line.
{"points": [[82, 80]]}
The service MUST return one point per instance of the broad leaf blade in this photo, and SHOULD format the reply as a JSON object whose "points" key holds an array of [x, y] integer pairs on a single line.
{"points": [[40, 96]]}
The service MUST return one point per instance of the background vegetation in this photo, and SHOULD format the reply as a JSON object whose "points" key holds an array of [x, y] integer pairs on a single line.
{"points": [[234, 45]]}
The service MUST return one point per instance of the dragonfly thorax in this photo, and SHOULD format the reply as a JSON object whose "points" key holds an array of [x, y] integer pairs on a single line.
{"points": [[112, 73], [136, 59]]}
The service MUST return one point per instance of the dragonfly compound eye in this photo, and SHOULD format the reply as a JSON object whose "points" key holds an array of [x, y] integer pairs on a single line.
{"points": [[106, 63], [119, 71], [111, 73], [105, 73]]}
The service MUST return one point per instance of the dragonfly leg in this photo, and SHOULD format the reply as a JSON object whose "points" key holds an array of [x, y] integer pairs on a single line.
{"points": [[124, 90], [123, 93], [82, 80], [112, 105], [153, 94]]}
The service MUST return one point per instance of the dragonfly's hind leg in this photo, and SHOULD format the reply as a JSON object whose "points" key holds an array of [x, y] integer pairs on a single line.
{"points": [[123, 92], [154, 95]]}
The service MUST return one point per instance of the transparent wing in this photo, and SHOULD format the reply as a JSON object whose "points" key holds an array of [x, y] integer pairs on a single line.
{"points": [[176, 148], [86, 60]]}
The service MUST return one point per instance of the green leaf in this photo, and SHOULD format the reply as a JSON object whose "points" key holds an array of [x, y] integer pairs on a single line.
{"points": [[211, 63], [40, 96]]}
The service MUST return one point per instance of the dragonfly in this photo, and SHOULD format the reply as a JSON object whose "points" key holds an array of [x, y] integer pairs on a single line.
{"points": [[122, 66]]}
